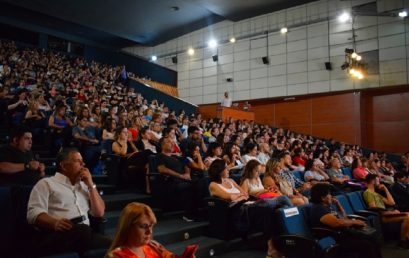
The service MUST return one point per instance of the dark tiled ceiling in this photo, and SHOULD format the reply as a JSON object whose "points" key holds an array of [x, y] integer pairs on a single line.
{"points": [[129, 22]]}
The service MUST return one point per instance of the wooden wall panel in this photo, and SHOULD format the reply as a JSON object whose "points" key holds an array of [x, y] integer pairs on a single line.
{"points": [[377, 119], [290, 114], [333, 109], [264, 113], [208, 111]]}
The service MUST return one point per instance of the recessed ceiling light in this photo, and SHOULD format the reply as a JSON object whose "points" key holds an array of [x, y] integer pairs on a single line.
{"points": [[154, 58], [190, 51], [403, 14], [344, 17], [212, 43], [284, 30], [232, 39]]}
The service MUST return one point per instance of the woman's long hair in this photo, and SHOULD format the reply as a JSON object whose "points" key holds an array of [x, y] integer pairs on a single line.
{"points": [[130, 215], [248, 170]]}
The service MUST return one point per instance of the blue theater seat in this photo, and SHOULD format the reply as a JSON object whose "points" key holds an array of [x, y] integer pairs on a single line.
{"points": [[297, 240]]}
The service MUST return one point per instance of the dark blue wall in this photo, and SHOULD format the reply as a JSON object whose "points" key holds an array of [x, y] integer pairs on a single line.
{"points": [[172, 102], [133, 64]]}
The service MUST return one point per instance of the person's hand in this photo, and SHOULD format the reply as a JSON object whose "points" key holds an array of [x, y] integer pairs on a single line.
{"points": [[41, 169], [62, 225], [94, 141], [382, 187], [186, 176], [86, 177], [33, 165]]}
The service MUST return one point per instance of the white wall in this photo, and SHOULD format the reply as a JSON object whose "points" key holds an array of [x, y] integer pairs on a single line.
{"points": [[296, 59]]}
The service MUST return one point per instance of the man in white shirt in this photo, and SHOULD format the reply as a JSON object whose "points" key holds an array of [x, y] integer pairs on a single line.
{"points": [[59, 206], [226, 101]]}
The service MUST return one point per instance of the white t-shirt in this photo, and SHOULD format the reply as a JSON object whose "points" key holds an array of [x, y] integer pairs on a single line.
{"points": [[226, 102]]}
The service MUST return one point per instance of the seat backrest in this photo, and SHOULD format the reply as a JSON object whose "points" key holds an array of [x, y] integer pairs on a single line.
{"points": [[345, 204], [293, 221], [356, 201], [7, 222], [347, 171]]}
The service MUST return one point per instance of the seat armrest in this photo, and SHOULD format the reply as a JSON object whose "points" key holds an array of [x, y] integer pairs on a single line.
{"points": [[365, 213], [357, 217], [97, 224], [325, 232]]}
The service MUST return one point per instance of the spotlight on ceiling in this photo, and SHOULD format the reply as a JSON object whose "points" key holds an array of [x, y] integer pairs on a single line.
{"points": [[358, 58], [190, 51], [154, 58], [284, 30], [344, 65], [344, 17], [212, 43], [349, 50], [232, 39], [354, 55], [403, 14]]}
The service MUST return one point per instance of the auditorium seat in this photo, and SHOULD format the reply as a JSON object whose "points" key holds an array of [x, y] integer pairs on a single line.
{"points": [[296, 239], [347, 171], [7, 225]]}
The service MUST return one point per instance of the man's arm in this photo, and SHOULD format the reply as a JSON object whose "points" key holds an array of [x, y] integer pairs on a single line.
{"points": [[96, 202], [11, 168]]}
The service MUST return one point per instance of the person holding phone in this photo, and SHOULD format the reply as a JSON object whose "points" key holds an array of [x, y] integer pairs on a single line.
{"points": [[59, 207]]}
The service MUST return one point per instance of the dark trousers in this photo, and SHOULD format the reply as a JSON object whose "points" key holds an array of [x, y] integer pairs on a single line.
{"points": [[79, 239], [363, 248]]}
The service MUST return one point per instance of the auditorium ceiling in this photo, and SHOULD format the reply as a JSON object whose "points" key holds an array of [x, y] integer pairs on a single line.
{"points": [[129, 22]]}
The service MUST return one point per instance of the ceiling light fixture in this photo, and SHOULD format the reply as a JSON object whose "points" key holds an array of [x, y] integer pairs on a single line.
{"points": [[154, 58], [190, 51], [232, 40], [344, 17], [403, 14], [284, 30], [212, 43]]}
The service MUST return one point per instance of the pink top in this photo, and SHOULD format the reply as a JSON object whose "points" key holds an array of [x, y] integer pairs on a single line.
{"points": [[359, 173]]}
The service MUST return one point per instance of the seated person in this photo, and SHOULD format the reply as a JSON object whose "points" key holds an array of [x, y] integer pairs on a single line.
{"points": [[170, 132], [223, 187], [88, 144], [335, 174], [62, 127], [401, 191], [251, 184], [358, 170], [187, 189], [55, 201], [252, 154], [121, 145], [273, 182], [134, 235], [144, 142], [17, 163], [327, 212], [264, 154], [109, 129], [194, 160], [313, 174], [214, 151], [377, 201], [299, 158], [286, 174], [232, 157]]}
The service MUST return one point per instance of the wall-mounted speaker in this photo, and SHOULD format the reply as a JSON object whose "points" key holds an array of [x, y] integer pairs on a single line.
{"points": [[266, 60], [229, 79], [215, 58], [328, 66], [174, 59]]}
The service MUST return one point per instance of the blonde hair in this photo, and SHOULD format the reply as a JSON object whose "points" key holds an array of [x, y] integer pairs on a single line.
{"points": [[130, 215], [271, 165]]}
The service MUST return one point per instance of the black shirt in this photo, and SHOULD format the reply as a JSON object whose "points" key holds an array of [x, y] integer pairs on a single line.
{"points": [[170, 162], [25, 177], [317, 211]]}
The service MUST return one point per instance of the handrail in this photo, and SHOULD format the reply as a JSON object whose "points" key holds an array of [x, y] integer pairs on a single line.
{"points": [[170, 90]]}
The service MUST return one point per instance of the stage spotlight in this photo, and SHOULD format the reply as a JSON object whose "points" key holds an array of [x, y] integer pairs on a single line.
{"points": [[190, 51], [344, 66], [212, 43], [154, 58], [403, 14], [232, 40], [352, 71], [358, 58], [349, 50], [344, 17], [284, 30], [354, 55]]}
